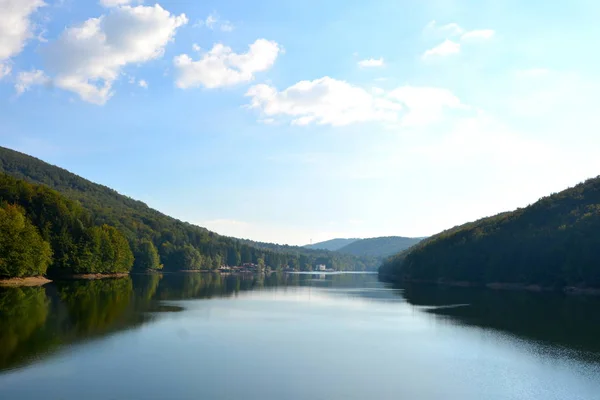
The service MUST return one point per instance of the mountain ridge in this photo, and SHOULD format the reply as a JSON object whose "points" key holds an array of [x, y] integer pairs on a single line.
{"points": [[332, 244], [379, 247]]}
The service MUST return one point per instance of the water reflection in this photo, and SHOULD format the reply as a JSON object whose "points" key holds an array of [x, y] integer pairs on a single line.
{"points": [[571, 322], [23, 315], [38, 321]]}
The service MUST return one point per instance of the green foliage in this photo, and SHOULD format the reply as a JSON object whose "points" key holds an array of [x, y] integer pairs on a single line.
{"points": [[553, 242], [23, 252], [66, 231], [297, 257], [146, 256], [181, 246], [111, 252]]}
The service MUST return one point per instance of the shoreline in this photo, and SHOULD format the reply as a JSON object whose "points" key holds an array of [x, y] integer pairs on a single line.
{"points": [[28, 281], [505, 286], [94, 276]]}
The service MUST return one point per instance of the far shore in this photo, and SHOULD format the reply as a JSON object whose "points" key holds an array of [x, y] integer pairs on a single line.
{"points": [[28, 281]]}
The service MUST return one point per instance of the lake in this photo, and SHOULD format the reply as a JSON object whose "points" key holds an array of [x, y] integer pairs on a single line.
{"points": [[293, 336]]}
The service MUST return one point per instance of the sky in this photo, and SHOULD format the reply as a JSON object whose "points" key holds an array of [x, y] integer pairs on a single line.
{"points": [[301, 120]]}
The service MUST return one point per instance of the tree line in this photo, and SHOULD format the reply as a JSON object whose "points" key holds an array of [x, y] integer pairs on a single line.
{"points": [[156, 240], [554, 242], [43, 232]]}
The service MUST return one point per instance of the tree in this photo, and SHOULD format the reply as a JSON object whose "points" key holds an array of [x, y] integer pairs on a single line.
{"points": [[23, 252], [261, 264], [217, 261], [307, 267], [192, 259], [233, 257], [146, 256]]}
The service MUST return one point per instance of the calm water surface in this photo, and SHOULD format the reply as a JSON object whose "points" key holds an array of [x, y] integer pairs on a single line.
{"points": [[346, 336]]}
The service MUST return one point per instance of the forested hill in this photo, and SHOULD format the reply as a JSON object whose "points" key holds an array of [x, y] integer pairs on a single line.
{"points": [[331, 245], [332, 259], [379, 246], [554, 242], [180, 245], [40, 229]]}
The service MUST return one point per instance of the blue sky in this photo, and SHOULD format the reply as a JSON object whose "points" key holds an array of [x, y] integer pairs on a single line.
{"points": [[291, 121]]}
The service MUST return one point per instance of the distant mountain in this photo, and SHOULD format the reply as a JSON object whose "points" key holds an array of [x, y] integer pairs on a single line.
{"points": [[554, 242], [379, 246], [331, 245]]}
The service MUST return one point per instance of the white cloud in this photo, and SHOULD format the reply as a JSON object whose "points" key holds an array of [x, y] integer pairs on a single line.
{"points": [[115, 3], [142, 83], [195, 47], [324, 101], [222, 67], [213, 21], [425, 105], [371, 62], [15, 28], [26, 80], [327, 101], [210, 21], [446, 48], [478, 34], [227, 26], [4, 70], [88, 58]]}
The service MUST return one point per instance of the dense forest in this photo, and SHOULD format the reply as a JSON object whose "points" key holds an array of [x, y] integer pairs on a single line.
{"points": [[554, 242], [40, 229], [332, 259], [384, 246], [87, 211]]}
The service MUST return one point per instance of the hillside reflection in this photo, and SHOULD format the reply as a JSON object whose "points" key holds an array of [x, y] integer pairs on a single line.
{"points": [[36, 322]]}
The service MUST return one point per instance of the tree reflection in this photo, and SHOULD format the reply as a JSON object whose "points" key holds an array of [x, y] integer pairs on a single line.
{"points": [[96, 306], [548, 318], [23, 313]]}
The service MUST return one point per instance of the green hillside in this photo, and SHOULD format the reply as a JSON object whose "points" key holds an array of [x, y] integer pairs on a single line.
{"points": [[331, 259], [331, 245], [379, 246], [180, 245], [554, 242], [40, 229]]}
